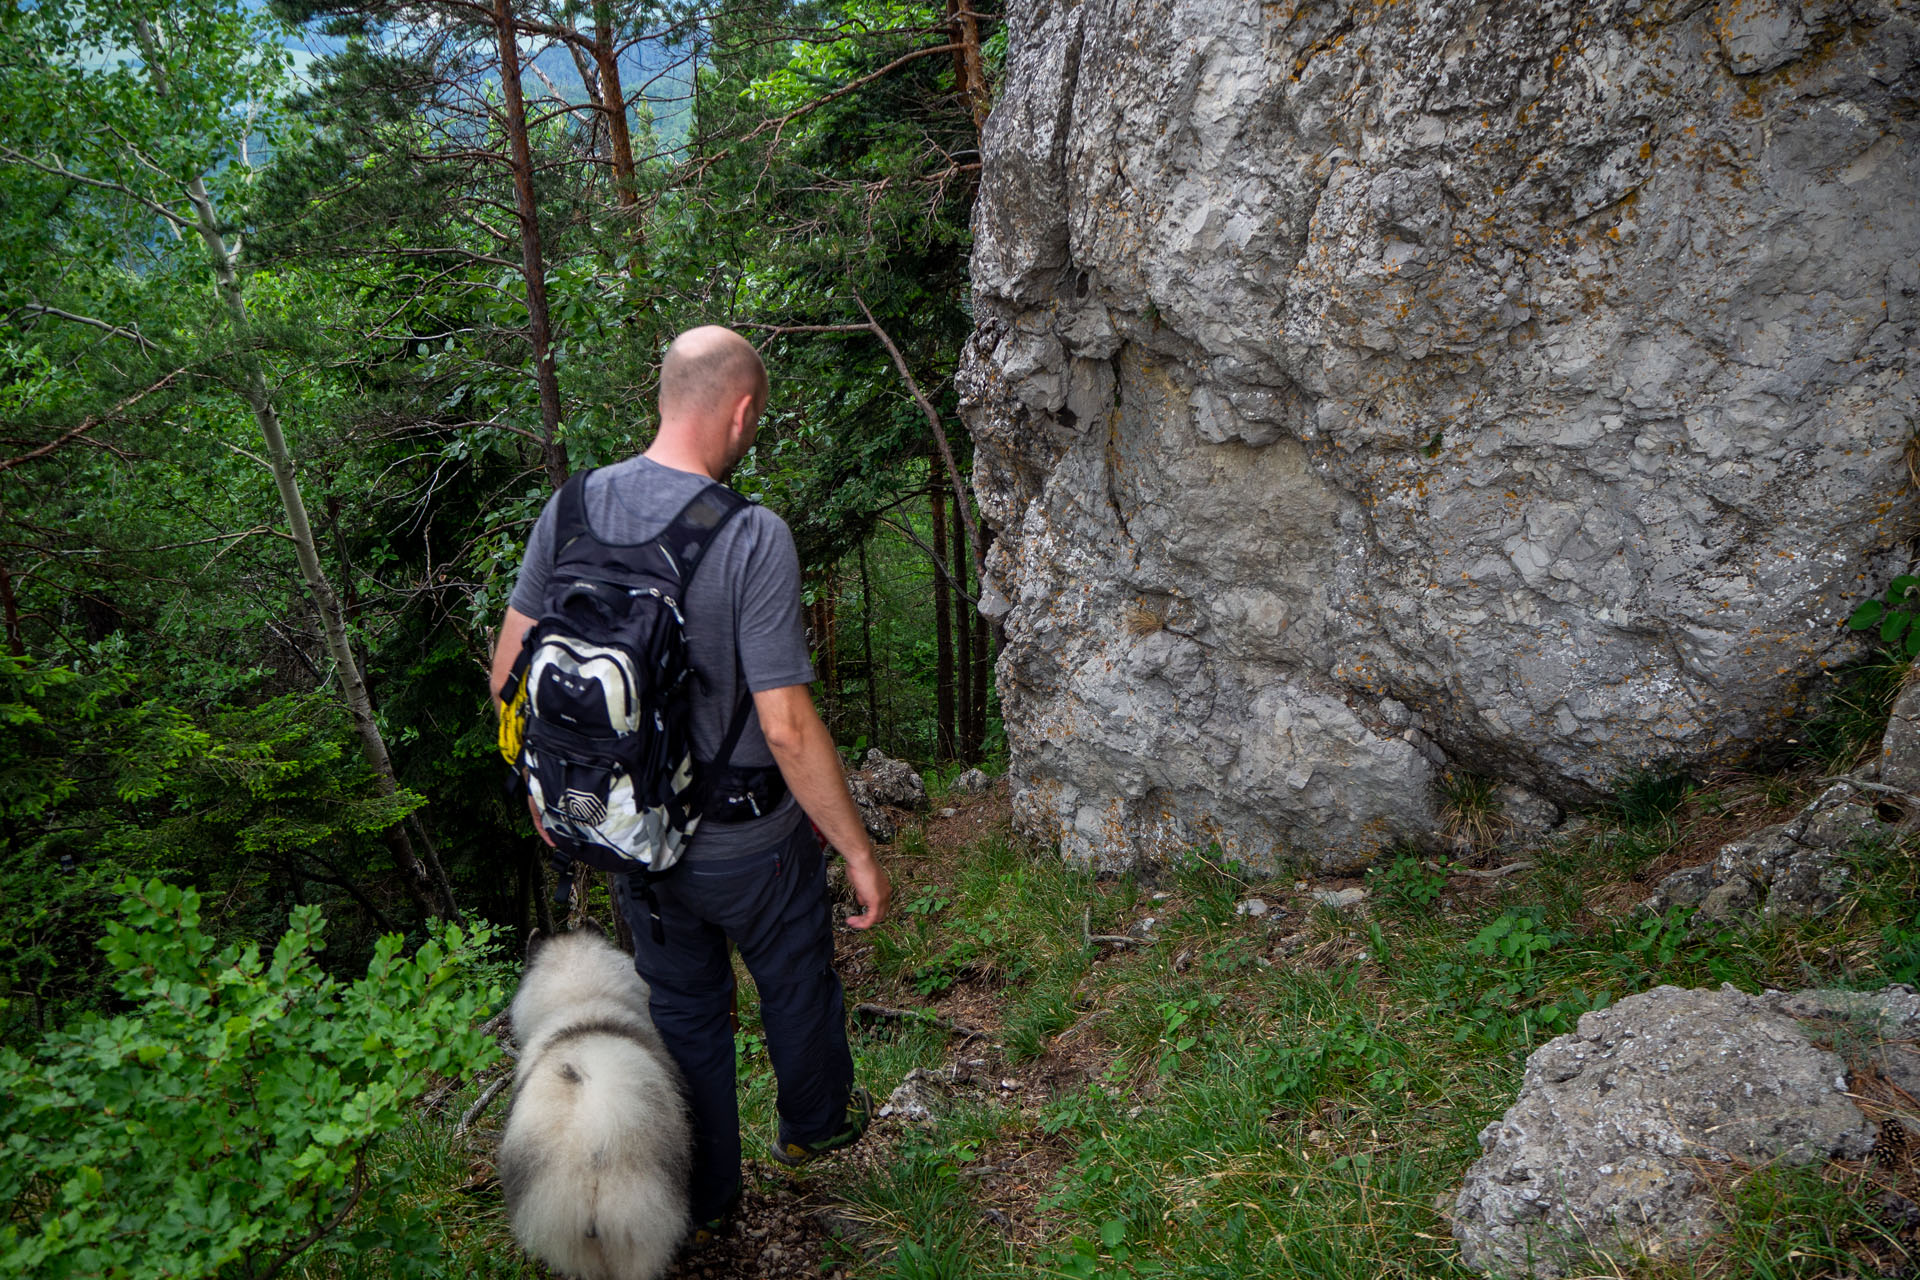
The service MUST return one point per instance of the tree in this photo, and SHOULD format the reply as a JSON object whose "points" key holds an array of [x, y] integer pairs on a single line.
{"points": [[159, 127]]}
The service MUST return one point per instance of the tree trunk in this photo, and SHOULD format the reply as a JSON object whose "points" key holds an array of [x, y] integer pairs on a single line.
{"points": [[970, 71], [10, 611], [539, 332], [542, 892], [622, 931], [866, 647], [426, 881], [982, 675], [613, 104], [821, 627], [938, 432], [944, 741], [962, 644]]}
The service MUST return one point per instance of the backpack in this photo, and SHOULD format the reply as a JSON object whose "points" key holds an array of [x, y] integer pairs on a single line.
{"points": [[596, 710]]}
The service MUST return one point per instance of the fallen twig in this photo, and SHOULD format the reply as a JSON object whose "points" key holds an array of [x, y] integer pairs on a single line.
{"points": [[918, 1015], [1880, 787], [986, 1170], [1110, 939], [481, 1103], [1494, 874], [1085, 1022]]}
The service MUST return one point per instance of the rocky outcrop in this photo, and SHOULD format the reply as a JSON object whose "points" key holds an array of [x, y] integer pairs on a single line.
{"points": [[1610, 1143], [1787, 870], [1362, 390]]}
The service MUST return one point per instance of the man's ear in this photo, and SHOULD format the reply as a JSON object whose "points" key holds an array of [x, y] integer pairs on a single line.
{"points": [[746, 414]]}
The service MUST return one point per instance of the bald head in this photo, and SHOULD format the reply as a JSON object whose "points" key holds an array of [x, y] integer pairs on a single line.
{"points": [[705, 373]]}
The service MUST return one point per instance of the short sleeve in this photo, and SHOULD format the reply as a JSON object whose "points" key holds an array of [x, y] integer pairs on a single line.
{"points": [[536, 566], [772, 633]]}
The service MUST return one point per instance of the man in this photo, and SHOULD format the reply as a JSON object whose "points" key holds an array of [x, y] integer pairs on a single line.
{"points": [[760, 883]]}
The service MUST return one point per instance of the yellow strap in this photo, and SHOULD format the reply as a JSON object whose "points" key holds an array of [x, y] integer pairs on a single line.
{"points": [[513, 724]]}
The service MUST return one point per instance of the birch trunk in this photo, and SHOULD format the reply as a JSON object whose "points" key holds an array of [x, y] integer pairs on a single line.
{"points": [[425, 880]]}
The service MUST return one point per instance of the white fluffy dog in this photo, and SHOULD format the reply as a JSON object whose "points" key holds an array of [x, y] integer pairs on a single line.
{"points": [[595, 1155]]}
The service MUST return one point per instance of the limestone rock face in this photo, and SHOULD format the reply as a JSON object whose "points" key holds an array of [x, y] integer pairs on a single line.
{"points": [[1361, 390], [1615, 1123]]}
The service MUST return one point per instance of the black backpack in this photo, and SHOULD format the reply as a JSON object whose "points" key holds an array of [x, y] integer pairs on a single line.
{"points": [[597, 707]]}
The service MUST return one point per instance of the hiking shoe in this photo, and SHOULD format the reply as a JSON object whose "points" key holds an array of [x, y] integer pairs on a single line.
{"points": [[860, 1111], [705, 1233]]}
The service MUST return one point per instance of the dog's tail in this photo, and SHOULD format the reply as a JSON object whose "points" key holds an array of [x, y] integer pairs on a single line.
{"points": [[593, 1160]]}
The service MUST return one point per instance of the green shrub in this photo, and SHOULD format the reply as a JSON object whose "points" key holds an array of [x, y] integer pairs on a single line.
{"points": [[1501, 987], [1406, 884], [222, 1124]]}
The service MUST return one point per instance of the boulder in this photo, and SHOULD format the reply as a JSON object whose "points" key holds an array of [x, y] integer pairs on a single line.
{"points": [[1360, 391], [1788, 870], [1607, 1145], [883, 784], [873, 814], [893, 782], [921, 1096], [1900, 748], [973, 782]]}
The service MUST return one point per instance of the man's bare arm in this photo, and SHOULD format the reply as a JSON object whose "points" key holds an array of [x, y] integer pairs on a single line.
{"points": [[512, 631], [804, 751]]}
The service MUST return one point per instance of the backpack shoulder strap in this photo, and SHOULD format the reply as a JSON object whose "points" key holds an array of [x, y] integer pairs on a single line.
{"points": [[687, 538], [570, 512], [689, 534]]}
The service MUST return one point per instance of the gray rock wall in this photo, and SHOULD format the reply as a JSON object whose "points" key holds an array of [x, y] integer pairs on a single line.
{"points": [[1366, 389]]}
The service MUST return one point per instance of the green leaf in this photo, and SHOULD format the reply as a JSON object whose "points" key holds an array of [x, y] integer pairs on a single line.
{"points": [[1895, 623], [1866, 615], [1113, 1232]]}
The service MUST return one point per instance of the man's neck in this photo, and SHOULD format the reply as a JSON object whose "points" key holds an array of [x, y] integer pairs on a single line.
{"points": [[671, 454]]}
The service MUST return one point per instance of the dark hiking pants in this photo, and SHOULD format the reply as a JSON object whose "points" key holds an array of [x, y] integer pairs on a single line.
{"points": [[772, 905]]}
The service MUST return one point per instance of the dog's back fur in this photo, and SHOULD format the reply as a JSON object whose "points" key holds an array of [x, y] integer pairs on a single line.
{"points": [[595, 1155]]}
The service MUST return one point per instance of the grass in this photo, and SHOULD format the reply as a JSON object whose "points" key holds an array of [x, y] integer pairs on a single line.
{"points": [[1234, 1115], [1469, 809], [1213, 1104]]}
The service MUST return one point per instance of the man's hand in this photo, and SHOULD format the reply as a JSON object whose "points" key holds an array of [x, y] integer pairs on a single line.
{"points": [[539, 827], [868, 880], [804, 751]]}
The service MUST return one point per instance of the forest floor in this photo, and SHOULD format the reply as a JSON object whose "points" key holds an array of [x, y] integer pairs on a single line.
{"points": [[1140, 1076]]}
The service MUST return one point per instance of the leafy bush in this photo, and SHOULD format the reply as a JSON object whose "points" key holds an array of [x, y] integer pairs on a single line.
{"points": [[1502, 987], [1349, 1055], [1406, 884], [99, 782], [223, 1124]]}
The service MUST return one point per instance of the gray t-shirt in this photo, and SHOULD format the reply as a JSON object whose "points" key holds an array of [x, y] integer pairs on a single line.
{"points": [[745, 599]]}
